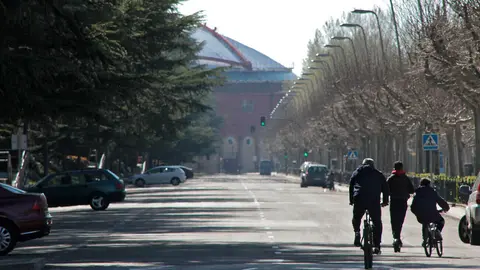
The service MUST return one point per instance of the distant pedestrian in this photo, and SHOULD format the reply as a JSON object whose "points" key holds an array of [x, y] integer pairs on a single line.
{"points": [[400, 187]]}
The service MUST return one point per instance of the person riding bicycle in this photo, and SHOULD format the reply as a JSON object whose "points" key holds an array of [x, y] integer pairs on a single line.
{"points": [[424, 207], [366, 185], [400, 187]]}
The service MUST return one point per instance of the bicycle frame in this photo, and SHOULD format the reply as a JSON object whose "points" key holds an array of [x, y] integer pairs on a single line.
{"points": [[431, 241], [367, 241]]}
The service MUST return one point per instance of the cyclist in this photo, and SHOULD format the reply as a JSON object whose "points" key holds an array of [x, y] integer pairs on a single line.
{"points": [[424, 207], [366, 185], [400, 187]]}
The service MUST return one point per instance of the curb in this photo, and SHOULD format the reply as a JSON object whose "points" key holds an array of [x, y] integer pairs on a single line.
{"points": [[22, 264]]}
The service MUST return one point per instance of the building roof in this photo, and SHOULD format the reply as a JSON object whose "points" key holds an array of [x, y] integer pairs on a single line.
{"points": [[245, 63]]}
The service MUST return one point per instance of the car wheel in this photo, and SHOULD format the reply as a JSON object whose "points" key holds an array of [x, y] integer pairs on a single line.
{"points": [[8, 237], [99, 202], [463, 230], [140, 183], [175, 181], [474, 235]]}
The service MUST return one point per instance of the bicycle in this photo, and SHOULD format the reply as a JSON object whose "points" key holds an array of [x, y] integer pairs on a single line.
{"points": [[432, 240], [367, 241]]}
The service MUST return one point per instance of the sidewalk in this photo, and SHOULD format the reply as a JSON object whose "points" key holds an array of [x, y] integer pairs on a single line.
{"points": [[457, 211]]}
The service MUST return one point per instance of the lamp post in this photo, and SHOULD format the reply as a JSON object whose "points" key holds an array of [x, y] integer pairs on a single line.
{"points": [[365, 11], [328, 55], [354, 25], [343, 52], [353, 48]]}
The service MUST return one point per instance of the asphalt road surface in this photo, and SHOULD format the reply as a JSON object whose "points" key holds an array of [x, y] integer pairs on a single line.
{"points": [[243, 222]]}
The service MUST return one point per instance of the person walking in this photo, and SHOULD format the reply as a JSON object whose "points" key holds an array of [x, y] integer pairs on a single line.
{"points": [[400, 187]]}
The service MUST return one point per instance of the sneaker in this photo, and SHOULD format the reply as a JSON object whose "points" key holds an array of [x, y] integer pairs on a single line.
{"points": [[397, 242], [377, 251], [357, 242]]}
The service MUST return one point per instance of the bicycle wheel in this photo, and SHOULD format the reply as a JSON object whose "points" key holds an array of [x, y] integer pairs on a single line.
{"points": [[439, 247], [367, 247], [428, 244]]}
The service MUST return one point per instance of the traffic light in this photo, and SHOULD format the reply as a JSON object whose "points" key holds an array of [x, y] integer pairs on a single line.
{"points": [[305, 153], [285, 155], [262, 121]]}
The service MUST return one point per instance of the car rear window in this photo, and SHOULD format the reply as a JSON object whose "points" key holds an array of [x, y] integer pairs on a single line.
{"points": [[317, 169], [113, 174], [12, 189]]}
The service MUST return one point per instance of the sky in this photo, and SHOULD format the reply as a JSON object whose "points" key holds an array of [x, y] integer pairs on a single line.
{"points": [[279, 29]]}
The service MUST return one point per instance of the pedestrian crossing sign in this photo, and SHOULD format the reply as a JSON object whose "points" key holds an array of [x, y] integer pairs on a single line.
{"points": [[430, 142], [352, 155]]}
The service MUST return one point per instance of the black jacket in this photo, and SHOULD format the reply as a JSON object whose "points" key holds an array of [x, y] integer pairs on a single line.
{"points": [[424, 204], [400, 185], [366, 184]]}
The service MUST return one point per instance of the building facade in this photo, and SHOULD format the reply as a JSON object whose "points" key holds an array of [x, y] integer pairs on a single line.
{"points": [[253, 87]]}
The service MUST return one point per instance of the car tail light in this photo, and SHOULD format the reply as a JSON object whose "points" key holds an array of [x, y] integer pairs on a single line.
{"points": [[118, 185], [36, 206]]}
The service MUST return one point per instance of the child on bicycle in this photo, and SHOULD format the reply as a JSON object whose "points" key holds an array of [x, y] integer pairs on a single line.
{"points": [[424, 207]]}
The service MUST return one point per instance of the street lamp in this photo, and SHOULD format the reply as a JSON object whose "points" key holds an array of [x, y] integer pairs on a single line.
{"points": [[324, 64], [341, 48], [364, 11], [353, 48], [328, 55], [354, 25]]}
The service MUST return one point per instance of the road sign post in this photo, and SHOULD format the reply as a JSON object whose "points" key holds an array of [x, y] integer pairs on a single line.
{"points": [[430, 143]]}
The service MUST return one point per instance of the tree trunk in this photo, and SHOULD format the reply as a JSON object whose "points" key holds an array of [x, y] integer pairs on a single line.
{"points": [[404, 149], [458, 142], [378, 151], [389, 154], [451, 167], [419, 149], [396, 151]]}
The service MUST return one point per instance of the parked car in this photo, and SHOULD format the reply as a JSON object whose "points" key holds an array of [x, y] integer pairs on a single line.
{"points": [[160, 175], [315, 175], [95, 187], [469, 226], [188, 171], [23, 216]]}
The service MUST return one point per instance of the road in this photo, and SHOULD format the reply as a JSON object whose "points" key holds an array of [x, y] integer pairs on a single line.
{"points": [[230, 222]]}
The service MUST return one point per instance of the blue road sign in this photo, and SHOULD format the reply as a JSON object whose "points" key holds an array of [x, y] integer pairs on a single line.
{"points": [[430, 142], [352, 155]]}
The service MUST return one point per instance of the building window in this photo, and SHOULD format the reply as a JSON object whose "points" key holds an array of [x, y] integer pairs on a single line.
{"points": [[247, 105]]}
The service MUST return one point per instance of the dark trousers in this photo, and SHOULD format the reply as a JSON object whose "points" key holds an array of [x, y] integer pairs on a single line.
{"points": [[440, 224], [398, 211], [375, 211]]}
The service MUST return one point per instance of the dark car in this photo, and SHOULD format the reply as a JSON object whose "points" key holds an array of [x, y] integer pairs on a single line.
{"points": [[95, 187], [188, 171], [23, 216], [315, 175]]}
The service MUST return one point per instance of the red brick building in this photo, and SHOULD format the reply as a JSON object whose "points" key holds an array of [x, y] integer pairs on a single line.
{"points": [[254, 87]]}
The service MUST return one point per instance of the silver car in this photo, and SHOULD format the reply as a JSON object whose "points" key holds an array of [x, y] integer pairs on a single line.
{"points": [[160, 175], [469, 227]]}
